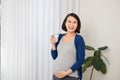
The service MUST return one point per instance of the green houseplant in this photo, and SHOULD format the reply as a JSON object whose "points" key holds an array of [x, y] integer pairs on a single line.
{"points": [[95, 61]]}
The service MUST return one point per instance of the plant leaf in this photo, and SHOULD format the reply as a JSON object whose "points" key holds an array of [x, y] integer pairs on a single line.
{"points": [[89, 48], [87, 63], [85, 66], [97, 63], [88, 59], [103, 48], [97, 53], [103, 68]]}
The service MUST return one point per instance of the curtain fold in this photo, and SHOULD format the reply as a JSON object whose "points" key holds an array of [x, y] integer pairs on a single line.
{"points": [[26, 27]]}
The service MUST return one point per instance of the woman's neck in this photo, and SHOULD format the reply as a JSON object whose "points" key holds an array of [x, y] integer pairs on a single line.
{"points": [[70, 34]]}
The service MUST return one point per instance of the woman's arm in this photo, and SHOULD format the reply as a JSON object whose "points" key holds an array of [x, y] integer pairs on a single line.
{"points": [[54, 52], [53, 49], [80, 52]]}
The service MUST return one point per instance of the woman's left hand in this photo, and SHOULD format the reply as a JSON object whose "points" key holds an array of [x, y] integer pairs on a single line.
{"points": [[61, 74]]}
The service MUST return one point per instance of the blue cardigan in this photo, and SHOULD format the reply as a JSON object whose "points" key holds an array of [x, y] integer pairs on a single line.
{"points": [[80, 53]]}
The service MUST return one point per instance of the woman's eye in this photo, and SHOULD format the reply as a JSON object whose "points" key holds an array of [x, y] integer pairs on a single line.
{"points": [[75, 22], [69, 21]]}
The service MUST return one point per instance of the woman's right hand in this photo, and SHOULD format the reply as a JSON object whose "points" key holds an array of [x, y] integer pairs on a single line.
{"points": [[53, 40]]}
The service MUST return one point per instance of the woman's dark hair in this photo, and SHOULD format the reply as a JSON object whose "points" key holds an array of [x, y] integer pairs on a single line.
{"points": [[78, 21]]}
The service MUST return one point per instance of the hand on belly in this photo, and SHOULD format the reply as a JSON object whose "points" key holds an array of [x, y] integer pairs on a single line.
{"points": [[61, 74]]}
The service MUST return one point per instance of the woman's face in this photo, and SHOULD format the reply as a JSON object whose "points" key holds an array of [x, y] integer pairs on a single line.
{"points": [[71, 24]]}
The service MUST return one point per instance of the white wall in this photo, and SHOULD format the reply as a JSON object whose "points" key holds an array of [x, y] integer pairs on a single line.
{"points": [[100, 26]]}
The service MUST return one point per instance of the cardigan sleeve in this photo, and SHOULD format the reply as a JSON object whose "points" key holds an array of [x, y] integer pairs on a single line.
{"points": [[54, 54], [80, 53]]}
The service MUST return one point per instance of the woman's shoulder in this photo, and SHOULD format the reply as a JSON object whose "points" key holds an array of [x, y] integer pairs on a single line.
{"points": [[78, 36], [60, 36]]}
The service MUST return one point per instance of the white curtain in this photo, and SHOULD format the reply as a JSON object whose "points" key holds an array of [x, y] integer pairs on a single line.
{"points": [[26, 27]]}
